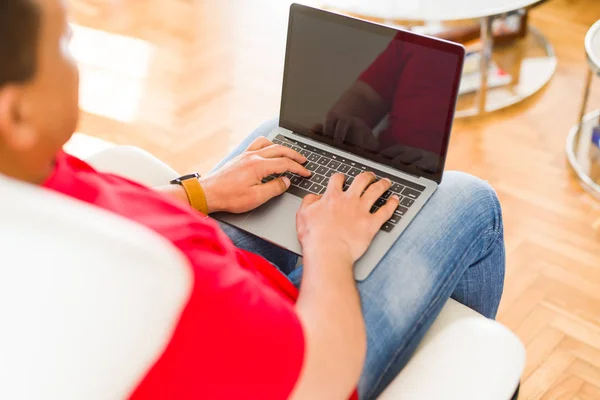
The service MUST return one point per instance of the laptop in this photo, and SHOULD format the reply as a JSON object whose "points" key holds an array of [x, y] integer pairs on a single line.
{"points": [[359, 96]]}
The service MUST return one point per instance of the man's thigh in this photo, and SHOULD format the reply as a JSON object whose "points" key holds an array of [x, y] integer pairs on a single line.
{"points": [[405, 293]]}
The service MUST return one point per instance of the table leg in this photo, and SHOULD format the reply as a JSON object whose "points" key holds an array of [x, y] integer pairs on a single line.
{"points": [[517, 61], [487, 42], [586, 95]]}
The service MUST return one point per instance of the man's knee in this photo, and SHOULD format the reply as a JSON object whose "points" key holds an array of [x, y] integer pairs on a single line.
{"points": [[471, 196]]}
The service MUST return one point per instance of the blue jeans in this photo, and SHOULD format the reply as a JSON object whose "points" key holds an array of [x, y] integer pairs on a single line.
{"points": [[453, 248]]}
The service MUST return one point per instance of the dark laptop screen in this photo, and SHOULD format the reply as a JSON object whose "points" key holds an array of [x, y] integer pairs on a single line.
{"points": [[377, 92]]}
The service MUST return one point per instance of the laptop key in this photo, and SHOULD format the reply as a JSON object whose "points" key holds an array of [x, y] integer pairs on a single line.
{"points": [[305, 184], [296, 148], [374, 209], [288, 174], [387, 194], [322, 170], [305, 153], [313, 157], [380, 202], [413, 194], [396, 188], [334, 164], [316, 188], [354, 172], [277, 141], [343, 168], [325, 182], [387, 227], [401, 210], [323, 161], [317, 178], [395, 219], [296, 180], [407, 202], [310, 148], [287, 144], [329, 173], [311, 166]]}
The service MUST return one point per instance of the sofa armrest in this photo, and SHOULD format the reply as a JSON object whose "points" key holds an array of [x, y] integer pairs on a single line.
{"points": [[463, 357], [133, 163]]}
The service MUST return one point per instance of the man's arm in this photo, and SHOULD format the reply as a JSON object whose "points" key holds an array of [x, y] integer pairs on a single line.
{"points": [[334, 329], [329, 304], [176, 192]]}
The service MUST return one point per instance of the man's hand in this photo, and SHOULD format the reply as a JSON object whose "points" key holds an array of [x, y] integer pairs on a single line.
{"points": [[342, 222], [237, 187]]}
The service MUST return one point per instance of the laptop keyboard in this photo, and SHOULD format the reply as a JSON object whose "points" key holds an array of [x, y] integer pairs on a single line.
{"points": [[323, 165]]}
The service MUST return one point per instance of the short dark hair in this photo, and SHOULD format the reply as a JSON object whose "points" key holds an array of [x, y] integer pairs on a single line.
{"points": [[19, 31]]}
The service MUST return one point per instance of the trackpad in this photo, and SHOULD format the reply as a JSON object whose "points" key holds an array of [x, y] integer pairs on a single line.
{"points": [[275, 221]]}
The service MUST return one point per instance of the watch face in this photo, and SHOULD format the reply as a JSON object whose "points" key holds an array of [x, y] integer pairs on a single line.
{"points": [[185, 178], [190, 176]]}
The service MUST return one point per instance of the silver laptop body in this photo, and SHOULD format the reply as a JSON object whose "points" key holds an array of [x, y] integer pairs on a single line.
{"points": [[328, 58]]}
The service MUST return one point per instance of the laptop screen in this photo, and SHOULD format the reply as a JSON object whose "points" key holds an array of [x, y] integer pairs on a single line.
{"points": [[380, 93]]}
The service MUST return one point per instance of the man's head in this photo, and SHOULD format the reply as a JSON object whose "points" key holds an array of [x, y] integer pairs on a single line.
{"points": [[38, 87]]}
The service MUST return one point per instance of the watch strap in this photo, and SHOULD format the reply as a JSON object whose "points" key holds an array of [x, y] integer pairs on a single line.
{"points": [[195, 194]]}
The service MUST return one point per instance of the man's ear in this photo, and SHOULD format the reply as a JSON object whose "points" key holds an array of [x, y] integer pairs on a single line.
{"points": [[16, 129]]}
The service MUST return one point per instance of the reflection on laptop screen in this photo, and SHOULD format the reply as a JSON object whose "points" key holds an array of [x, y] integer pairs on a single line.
{"points": [[379, 93]]}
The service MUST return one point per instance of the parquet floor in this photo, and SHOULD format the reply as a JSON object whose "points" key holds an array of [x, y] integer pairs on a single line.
{"points": [[187, 79]]}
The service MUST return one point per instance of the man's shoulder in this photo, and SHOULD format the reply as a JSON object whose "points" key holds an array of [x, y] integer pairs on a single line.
{"points": [[73, 163]]}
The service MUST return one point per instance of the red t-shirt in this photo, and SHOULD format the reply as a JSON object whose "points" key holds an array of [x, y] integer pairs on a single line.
{"points": [[416, 85], [239, 336]]}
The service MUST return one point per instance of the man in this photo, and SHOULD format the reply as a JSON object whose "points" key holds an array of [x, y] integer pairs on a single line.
{"points": [[248, 330]]}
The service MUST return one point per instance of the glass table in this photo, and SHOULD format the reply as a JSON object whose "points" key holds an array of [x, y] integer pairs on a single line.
{"points": [[580, 148], [531, 62]]}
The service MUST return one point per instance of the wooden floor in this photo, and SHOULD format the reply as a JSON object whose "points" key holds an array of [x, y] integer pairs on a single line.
{"points": [[188, 79]]}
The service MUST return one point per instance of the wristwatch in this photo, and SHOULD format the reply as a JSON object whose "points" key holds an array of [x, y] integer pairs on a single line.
{"points": [[193, 190]]}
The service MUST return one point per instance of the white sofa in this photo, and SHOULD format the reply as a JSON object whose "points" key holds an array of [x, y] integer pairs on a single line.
{"points": [[88, 301]]}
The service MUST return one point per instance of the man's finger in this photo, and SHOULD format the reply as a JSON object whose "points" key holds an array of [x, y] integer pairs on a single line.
{"points": [[384, 213], [281, 165], [375, 191], [274, 188], [336, 182], [361, 183], [309, 199], [275, 150], [259, 143]]}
